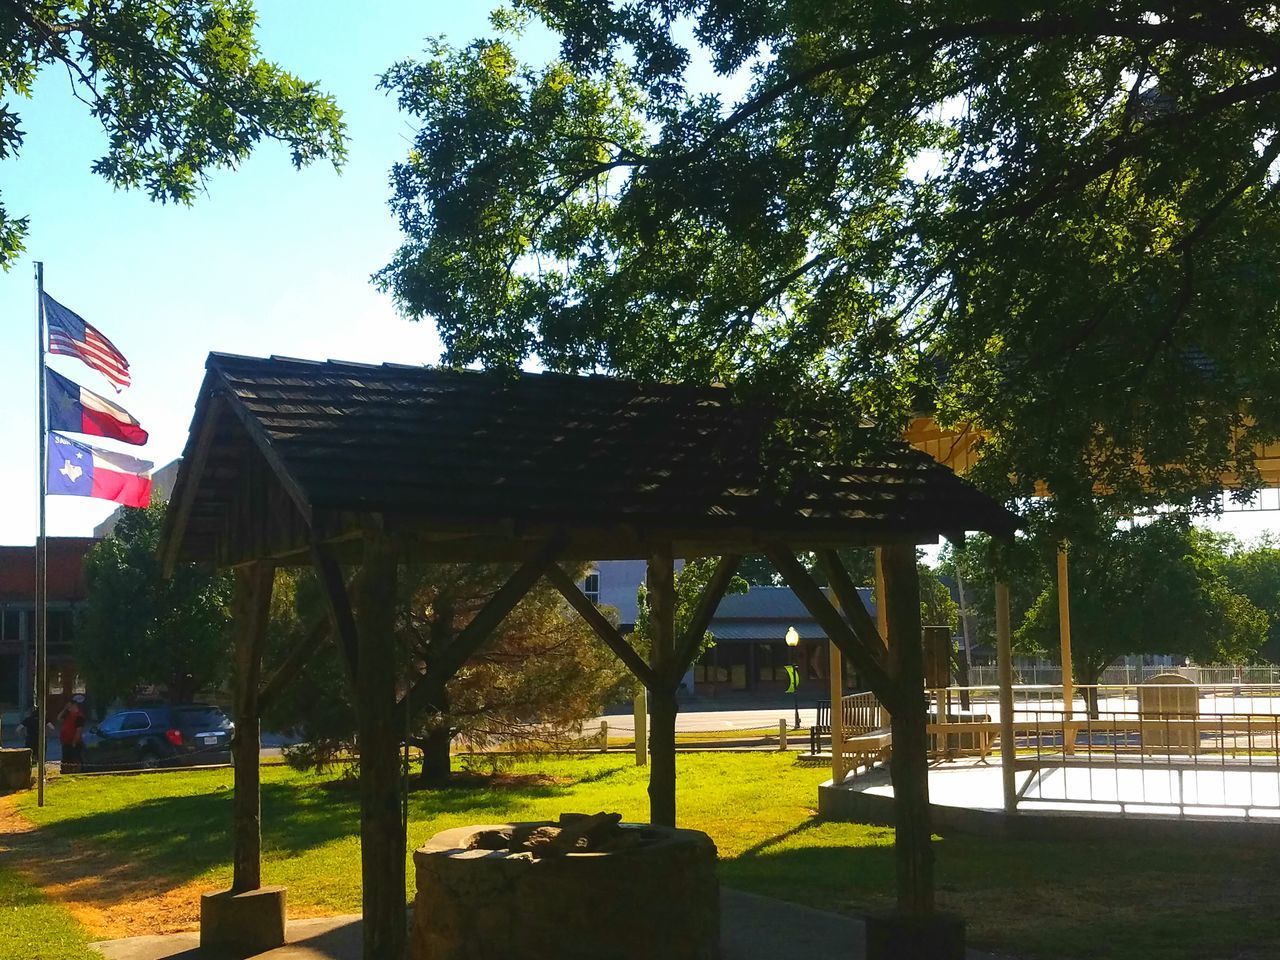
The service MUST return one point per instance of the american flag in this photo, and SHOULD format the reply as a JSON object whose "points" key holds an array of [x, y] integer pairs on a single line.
{"points": [[69, 334]]}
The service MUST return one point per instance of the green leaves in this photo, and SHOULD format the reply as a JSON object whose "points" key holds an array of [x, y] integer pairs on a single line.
{"points": [[179, 86], [1057, 221], [1152, 588], [139, 628]]}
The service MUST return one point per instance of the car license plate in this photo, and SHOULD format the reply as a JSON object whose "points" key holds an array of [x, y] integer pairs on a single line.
{"points": [[209, 740]]}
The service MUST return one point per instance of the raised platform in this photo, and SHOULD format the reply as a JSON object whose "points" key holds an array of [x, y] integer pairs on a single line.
{"points": [[1120, 798]]}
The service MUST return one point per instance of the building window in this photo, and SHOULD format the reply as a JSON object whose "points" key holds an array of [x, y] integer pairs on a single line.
{"points": [[61, 628], [591, 586], [11, 626]]}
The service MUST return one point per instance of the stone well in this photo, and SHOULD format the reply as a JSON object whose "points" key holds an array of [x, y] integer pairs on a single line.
{"points": [[515, 892]]}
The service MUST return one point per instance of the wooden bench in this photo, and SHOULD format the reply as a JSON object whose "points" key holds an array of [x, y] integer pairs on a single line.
{"points": [[821, 727], [867, 749]]}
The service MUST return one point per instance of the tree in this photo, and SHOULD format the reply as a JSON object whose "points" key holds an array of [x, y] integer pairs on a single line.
{"points": [[690, 584], [1150, 588], [540, 674], [1024, 565], [139, 628], [993, 214], [179, 86], [1254, 572]]}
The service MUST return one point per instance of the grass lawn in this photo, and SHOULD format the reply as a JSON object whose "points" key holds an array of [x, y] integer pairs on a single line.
{"points": [[33, 928], [134, 851]]}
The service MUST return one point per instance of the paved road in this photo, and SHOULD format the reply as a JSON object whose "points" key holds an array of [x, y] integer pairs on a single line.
{"points": [[690, 721]]}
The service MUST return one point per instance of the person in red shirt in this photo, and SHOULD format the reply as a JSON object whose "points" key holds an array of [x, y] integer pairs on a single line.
{"points": [[71, 721]]}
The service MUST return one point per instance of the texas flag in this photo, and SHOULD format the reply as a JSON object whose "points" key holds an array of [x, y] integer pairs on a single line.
{"points": [[79, 470], [77, 410]]}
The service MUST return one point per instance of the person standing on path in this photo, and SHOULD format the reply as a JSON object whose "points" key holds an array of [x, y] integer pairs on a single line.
{"points": [[31, 732], [71, 721]]}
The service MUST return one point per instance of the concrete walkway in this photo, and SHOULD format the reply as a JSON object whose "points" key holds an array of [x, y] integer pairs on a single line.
{"points": [[752, 928]]}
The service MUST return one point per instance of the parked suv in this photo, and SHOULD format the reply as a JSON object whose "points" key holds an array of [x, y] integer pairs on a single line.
{"points": [[155, 736]]}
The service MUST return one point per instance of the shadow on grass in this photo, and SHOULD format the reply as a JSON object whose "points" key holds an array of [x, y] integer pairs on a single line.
{"points": [[111, 856], [1113, 900]]}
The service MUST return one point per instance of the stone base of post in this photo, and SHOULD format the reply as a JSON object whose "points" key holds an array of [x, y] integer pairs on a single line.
{"points": [[15, 770], [242, 924], [902, 936]]}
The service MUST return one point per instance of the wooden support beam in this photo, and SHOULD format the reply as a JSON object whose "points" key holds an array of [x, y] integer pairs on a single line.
{"points": [[1004, 669], [862, 652], [1064, 645], [293, 662], [846, 592], [605, 630], [338, 603], [687, 647], [909, 762], [447, 662], [251, 606], [382, 840], [836, 678], [662, 700], [882, 607]]}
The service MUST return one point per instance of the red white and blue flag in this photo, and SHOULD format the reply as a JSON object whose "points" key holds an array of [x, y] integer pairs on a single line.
{"points": [[79, 470], [74, 409], [71, 335]]}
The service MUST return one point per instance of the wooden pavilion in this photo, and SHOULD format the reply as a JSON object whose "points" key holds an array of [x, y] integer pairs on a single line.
{"points": [[959, 448], [355, 469]]}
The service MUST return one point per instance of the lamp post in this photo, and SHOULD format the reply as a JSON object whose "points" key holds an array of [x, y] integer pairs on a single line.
{"points": [[793, 641]]}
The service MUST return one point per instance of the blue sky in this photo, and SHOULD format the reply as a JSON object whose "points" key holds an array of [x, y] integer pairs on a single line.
{"points": [[271, 260]]}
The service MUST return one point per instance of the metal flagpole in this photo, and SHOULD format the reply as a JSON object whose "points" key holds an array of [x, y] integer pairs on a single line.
{"points": [[42, 443]]}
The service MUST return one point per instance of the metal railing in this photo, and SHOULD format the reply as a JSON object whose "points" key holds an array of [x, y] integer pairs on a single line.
{"points": [[1217, 674], [1161, 746], [1128, 759]]}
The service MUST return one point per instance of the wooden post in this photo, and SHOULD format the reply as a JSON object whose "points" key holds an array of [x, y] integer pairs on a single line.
{"points": [[662, 697], [251, 605], [640, 711], [382, 863], [1064, 644], [782, 733], [882, 612], [836, 682], [1004, 667], [604, 736], [909, 763], [882, 606]]}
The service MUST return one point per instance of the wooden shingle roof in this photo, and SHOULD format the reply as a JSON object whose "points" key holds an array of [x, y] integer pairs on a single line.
{"points": [[457, 453]]}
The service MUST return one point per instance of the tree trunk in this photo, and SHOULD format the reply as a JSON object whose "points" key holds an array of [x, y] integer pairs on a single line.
{"points": [[962, 678], [1087, 678], [436, 760], [662, 757]]}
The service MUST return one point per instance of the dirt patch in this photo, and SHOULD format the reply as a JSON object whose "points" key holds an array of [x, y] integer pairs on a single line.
{"points": [[99, 891]]}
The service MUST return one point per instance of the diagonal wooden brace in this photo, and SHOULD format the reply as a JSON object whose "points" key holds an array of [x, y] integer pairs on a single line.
{"points": [[687, 646], [860, 651], [451, 659], [605, 630]]}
